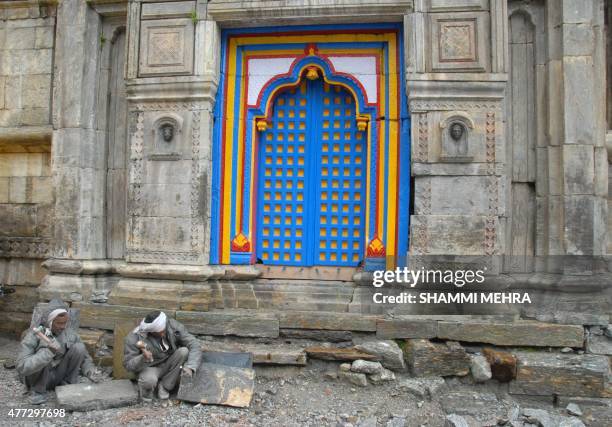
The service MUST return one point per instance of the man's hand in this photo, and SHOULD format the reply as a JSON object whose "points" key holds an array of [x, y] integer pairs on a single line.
{"points": [[187, 372], [146, 353], [55, 347]]}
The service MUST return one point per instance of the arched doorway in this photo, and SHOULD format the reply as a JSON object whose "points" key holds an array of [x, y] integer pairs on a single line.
{"points": [[311, 180]]}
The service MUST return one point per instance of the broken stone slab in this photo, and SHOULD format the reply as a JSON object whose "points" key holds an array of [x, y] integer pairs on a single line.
{"points": [[404, 327], [89, 397], [388, 352], [327, 320], [480, 368], [424, 387], [366, 367], [235, 359], [454, 420], [520, 333], [327, 336], [353, 378], [573, 409], [219, 385], [102, 316], [242, 323], [436, 359], [544, 374], [503, 364], [384, 376], [336, 353], [598, 343]]}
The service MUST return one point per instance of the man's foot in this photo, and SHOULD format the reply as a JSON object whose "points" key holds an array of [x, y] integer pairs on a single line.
{"points": [[38, 398], [162, 393]]}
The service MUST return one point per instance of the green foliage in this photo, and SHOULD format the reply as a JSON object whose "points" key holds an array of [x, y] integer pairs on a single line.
{"points": [[194, 16]]}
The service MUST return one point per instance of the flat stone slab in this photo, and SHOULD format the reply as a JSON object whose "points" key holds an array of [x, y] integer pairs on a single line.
{"points": [[406, 328], [226, 322], [261, 354], [89, 397], [426, 358], [327, 320], [544, 374], [503, 364], [521, 333], [328, 336], [226, 358], [343, 354], [219, 385]]}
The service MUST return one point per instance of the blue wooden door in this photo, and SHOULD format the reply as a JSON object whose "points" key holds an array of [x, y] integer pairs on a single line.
{"points": [[311, 179]]}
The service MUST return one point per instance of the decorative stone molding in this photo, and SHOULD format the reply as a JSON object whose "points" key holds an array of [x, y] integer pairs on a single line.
{"points": [[422, 149], [25, 247], [166, 47]]}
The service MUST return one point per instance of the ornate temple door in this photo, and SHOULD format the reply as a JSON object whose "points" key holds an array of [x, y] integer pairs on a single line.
{"points": [[311, 179]]}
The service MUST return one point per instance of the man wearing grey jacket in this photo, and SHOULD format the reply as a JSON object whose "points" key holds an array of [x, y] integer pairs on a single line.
{"points": [[52, 355], [159, 350]]}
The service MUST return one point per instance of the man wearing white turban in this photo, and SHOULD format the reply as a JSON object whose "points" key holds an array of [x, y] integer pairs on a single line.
{"points": [[52, 355], [158, 351]]}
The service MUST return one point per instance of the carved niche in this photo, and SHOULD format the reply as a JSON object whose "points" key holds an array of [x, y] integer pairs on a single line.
{"points": [[456, 129], [167, 132]]}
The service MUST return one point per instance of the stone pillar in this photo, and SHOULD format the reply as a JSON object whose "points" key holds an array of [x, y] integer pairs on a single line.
{"points": [[456, 77], [78, 149], [580, 132]]}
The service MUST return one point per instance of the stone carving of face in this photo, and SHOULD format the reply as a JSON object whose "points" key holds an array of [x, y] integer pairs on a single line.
{"points": [[167, 132], [456, 131]]}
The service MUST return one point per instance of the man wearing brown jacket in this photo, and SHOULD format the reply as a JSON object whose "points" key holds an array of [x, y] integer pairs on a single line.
{"points": [[159, 350]]}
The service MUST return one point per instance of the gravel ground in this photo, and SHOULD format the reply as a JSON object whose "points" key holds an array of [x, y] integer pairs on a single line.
{"points": [[287, 396]]}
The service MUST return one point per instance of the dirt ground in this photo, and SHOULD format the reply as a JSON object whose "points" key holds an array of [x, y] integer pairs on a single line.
{"points": [[310, 396]]}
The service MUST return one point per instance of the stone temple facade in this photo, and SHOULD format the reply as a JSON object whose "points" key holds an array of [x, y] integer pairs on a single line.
{"points": [[232, 160]]}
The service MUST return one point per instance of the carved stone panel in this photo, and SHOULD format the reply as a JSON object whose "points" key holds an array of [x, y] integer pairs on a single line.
{"points": [[459, 42], [166, 47]]}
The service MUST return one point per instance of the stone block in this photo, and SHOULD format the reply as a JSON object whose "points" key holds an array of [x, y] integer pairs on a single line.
{"points": [[228, 322], [42, 189], [578, 39], [23, 300], [162, 294], [577, 11], [338, 353], [448, 234], [44, 37], [503, 364], [166, 200], [425, 358], [17, 190], [579, 169], [353, 378], [579, 112], [219, 385], [480, 368], [598, 342], [162, 234], [107, 316], [89, 397], [166, 47], [579, 224], [36, 91], [4, 190], [399, 327], [19, 220], [542, 374], [14, 323], [472, 403], [35, 116], [122, 330], [524, 333], [327, 320], [262, 354], [20, 38], [366, 367], [388, 352], [458, 195]]}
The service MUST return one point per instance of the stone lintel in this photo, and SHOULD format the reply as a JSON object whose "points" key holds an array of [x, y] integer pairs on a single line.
{"points": [[232, 13], [172, 89]]}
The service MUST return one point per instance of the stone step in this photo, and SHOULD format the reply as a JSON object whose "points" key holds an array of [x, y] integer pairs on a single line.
{"points": [[426, 358], [105, 316], [341, 354], [329, 321], [543, 374], [242, 323], [161, 294], [88, 397]]}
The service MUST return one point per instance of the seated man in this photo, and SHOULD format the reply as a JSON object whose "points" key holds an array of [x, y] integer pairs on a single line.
{"points": [[158, 350], [52, 355]]}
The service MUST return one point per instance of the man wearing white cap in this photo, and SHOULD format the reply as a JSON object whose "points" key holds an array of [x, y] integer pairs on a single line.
{"points": [[159, 350], [52, 355]]}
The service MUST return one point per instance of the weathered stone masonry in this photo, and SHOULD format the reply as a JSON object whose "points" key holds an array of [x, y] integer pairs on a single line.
{"points": [[122, 220]]}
